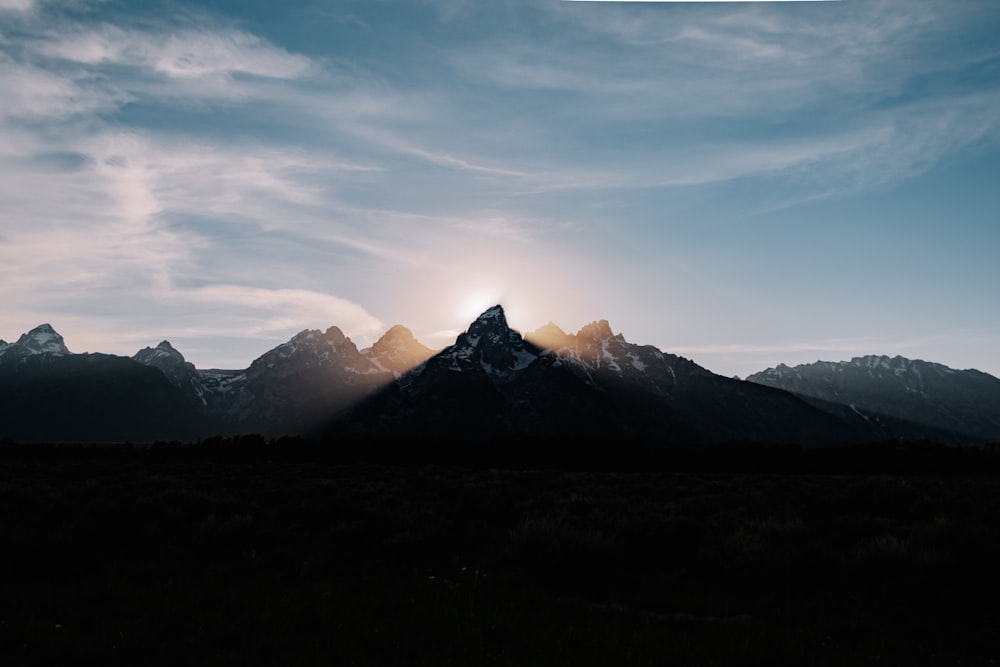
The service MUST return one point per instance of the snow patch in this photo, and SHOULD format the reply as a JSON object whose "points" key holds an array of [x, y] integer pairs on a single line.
{"points": [[610, 358], [492, 314], [638, 364], [860, 414]]}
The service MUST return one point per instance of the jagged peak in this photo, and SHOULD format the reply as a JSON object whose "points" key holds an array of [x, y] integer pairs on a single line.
{"points": [[870, 362], [396, 332], [333, 335], [492, 323], [491, 344], [399, 337], [551, 327], [162, 351], [398, 350], [550, 337], [43, 339], [305, 334], [493, 313], [309, 344], [598, 330]]}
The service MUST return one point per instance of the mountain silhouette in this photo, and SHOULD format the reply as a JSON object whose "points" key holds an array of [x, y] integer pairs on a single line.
{"points": [[490, 381], [908, 398], [494, 381], [47, 393]]}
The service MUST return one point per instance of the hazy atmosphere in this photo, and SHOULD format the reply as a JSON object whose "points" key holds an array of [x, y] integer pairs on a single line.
{"points": [[740, 183]]}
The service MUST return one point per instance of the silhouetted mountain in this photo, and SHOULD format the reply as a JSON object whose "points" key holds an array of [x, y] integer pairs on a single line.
{"points": [[490, 381], [493, 381], [315, 375], [949, 404], [294, 386], [181, 373]]}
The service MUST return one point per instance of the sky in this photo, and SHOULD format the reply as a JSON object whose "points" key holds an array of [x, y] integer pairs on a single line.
{"points": [[740, 183]]}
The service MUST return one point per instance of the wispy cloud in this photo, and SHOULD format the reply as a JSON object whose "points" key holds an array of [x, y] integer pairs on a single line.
{"points": [[17, 5], [262, 167], [279, 311], [182, 54]]}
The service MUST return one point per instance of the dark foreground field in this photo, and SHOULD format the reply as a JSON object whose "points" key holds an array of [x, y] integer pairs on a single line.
{"points": [[115, 556]]}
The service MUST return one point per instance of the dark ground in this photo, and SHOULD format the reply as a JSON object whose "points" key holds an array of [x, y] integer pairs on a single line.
{"points": [[231, 556]]}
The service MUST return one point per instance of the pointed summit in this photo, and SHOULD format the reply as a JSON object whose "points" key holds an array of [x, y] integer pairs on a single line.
{"points": [[599, 330], [493, 313], [43, 339], [164, 353], [549, 336], [490, 344], [493, 319], [181, 373], [398, 350], [397, 334], [312, 347]]}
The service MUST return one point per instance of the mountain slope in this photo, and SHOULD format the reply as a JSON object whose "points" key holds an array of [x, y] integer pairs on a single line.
{"points": [[494, 381], [491, 381], [48, 393], [181, 373], [959, 405], [296, 386]]}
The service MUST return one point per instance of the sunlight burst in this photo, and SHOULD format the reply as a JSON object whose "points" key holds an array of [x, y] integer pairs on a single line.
{"points": [[474, 303]]}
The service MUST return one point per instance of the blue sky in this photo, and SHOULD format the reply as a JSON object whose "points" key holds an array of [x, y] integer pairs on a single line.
{"points": [[740, 183]]}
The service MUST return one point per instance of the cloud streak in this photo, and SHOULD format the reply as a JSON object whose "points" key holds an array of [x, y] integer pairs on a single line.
{"points": [[180, 55]]}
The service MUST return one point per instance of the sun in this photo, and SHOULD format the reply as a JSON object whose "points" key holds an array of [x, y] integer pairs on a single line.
{"points": [[472, 304]]}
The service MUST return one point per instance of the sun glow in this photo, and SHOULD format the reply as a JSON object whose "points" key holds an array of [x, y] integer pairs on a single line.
{"points": [[474, 303]]}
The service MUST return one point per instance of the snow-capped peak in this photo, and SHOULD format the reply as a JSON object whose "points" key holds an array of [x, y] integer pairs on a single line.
{"points": [[490, 344], [492, 322], [164, 352], [313, 342], [43, 339]]}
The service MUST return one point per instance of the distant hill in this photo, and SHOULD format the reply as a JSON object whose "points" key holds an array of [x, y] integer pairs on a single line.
{"points": [[907, 397]]}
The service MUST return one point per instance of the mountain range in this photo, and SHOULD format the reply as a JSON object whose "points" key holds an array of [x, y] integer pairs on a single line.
{"points": [[492, 381], [908, 398]]}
